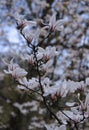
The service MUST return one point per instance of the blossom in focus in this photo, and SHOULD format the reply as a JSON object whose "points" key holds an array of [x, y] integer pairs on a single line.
{"points": [[47, 53], [46, 67], [50, 52], [55, 25], [32, 36], [28, 58]]}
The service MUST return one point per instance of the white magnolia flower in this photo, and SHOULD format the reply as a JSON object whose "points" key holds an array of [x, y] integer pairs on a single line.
{"points": [[55, 25], [62, 90], [15, 70], [50, 90], [55, 90], [47, 53], [33, 83], [11, 66], [19, 73], [30, 84], [67, 115], [71, 86], [23, 81], [32, 36], [28, 58], [81, 85], [50, 52], [84, 106], [45, 67], [46, 82], [22, 23], [40, 53]]}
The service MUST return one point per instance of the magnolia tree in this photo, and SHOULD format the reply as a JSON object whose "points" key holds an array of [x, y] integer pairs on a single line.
{"points": [[67, 101]]}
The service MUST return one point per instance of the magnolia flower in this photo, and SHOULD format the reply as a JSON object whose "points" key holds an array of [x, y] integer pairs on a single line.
{"points": [[84, 105], [23, 81], [33, 83], [28, 58], [40, 53], [81, 85], [15, 70], [61, 91], [11, 66], [46, 82], [22, 23], [71, 86], [19, 73], [32, 36], [45, 67], [67, 115], [54, 91], [55, 25], [49, 90], [47, 53], [50, 52], [28, 84]]}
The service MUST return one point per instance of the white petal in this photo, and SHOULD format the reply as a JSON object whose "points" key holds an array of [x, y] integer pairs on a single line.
{"points": [[7, 72], [70, 104], [21, 87], [52, 20], [59, 28], [62, 127], [59, 23]]}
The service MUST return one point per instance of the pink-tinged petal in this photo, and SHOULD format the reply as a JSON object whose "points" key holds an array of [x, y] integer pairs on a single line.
{"points": [[59, 28], [59, 23], [19, 73], [52, 20], [87, 100], [31, 23]]}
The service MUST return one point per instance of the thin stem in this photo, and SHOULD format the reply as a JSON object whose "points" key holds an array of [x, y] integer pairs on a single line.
{"points": [[41, 87], [32, 90], [67, 116], [76, 126]]}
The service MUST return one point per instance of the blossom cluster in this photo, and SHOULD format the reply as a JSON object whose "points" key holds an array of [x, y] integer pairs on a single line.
{"points": [[51, 92]]}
